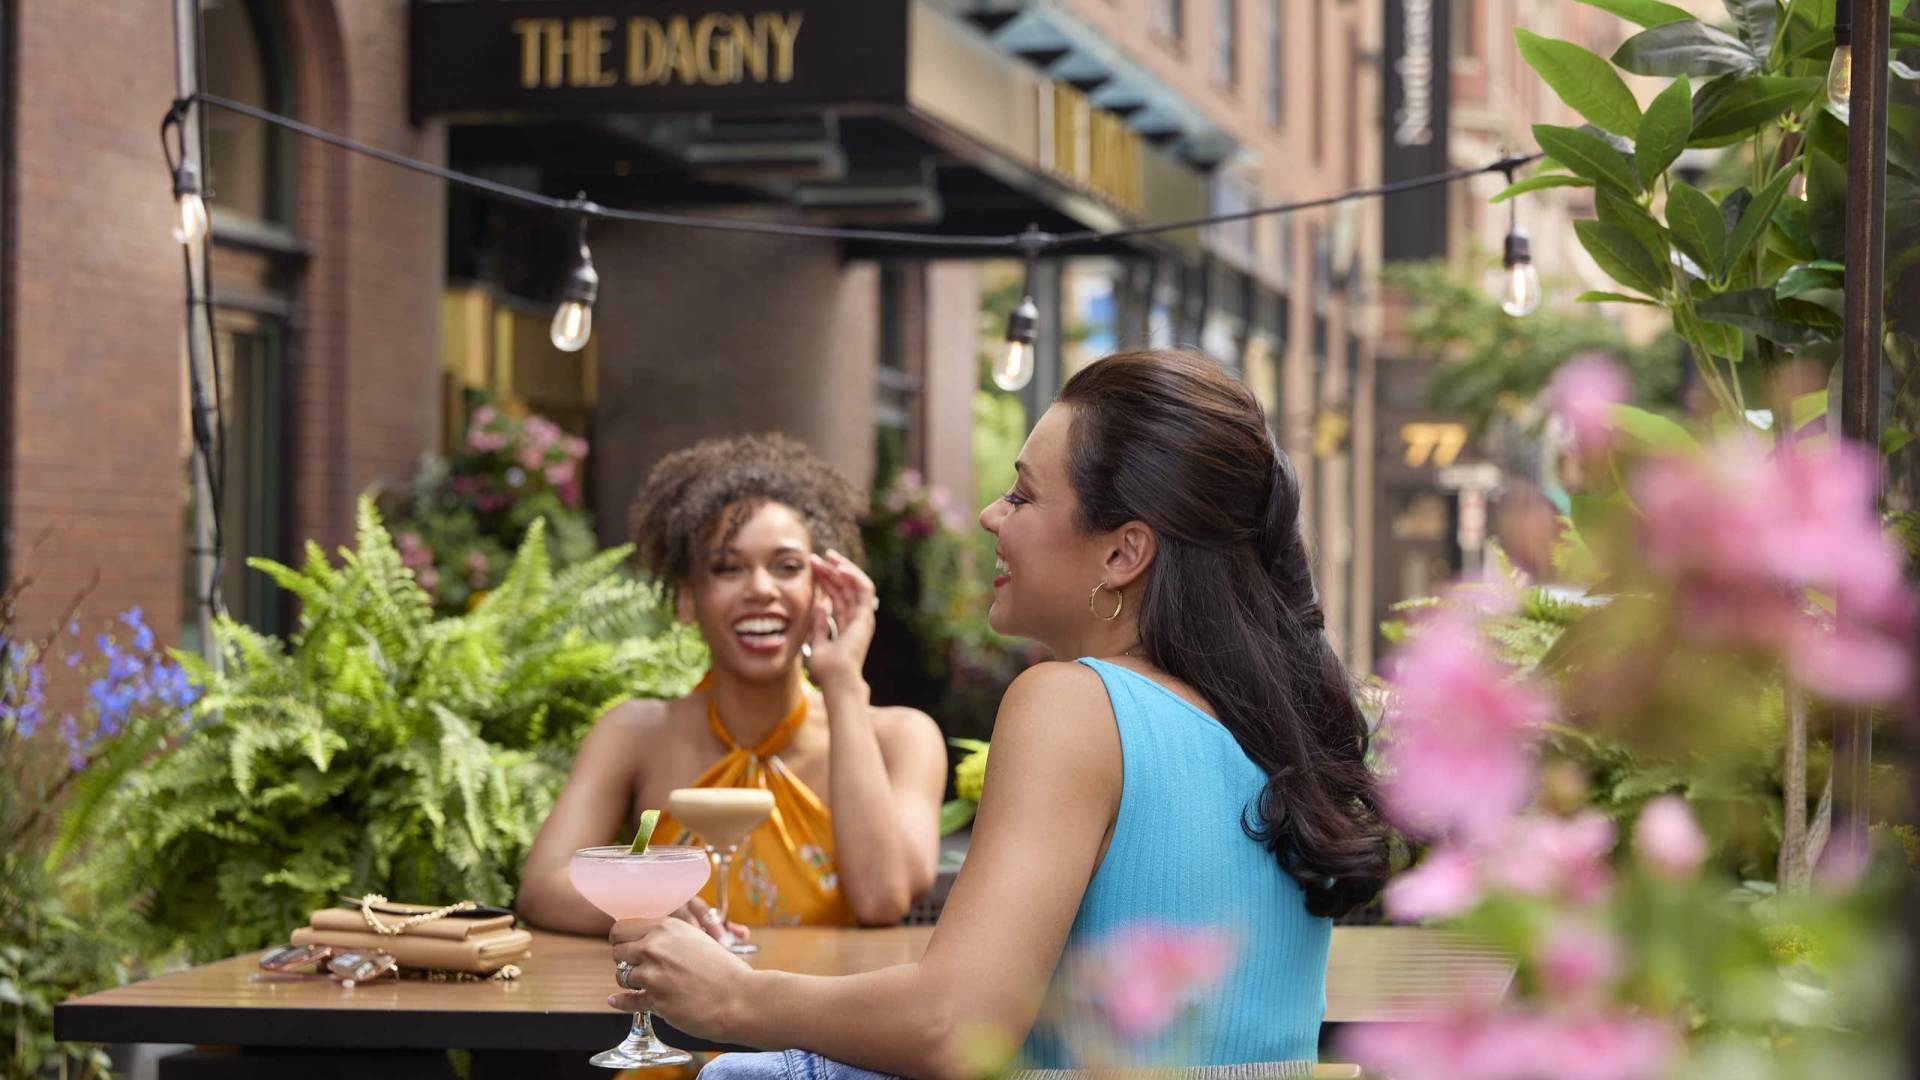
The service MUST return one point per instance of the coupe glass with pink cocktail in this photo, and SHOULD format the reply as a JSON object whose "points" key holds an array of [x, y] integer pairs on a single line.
{"points": [[650, 885]]}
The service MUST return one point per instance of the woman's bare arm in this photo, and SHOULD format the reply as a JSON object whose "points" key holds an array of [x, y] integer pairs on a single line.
{"points": [[592, 808], [1052, 792]]}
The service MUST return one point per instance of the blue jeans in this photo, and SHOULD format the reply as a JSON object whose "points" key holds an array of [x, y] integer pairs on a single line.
{"points": [[786, 1065]]}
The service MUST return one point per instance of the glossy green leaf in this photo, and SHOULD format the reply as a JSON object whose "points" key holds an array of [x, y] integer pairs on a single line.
{"points": [[1685, 48], [1651, 428], [1732, 206], [1759, 212], [1754, 19], [1747, 104], [1759, 312], [1802, 279], [1587, 83], [1790, 233], [1697, 228], [1664, 131], [1587, 155], [1641, 12], [1540, 183], [1809, 407], [1893, 439], [1827, 206], [1621, 255], [1592, 297], [1617, 210]]}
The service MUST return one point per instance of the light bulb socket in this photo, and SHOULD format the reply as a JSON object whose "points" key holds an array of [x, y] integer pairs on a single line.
{"points": [[186, 179], [1518, 250], [1023, 325], [582, 285]]}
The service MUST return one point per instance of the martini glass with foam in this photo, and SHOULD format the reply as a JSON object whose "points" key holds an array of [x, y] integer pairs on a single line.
{"points": [[650, 885], [722, 818]]}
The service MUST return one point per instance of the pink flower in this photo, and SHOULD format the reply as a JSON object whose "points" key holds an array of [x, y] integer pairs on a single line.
{"points": [[570, 493], [1668, 840], [477, 561], [541, 432], [483, 416], [1578, 960], [1145, 975], [533, 458], [1443, 885], [1461, 734], [429, 579], [1513, 1045], [1584, 392], [1543, 855], [560, 474], [1745, 535]]}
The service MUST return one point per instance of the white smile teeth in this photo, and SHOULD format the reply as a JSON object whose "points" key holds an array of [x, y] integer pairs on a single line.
{"points": [[1001, 565], [760, 626]]}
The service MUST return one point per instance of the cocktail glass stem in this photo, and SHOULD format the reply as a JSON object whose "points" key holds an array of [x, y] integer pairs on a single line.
{"points": [[641, 1048], [723, 857]]}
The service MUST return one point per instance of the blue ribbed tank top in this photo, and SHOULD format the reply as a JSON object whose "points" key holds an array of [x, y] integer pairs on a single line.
{"points": [[1179, 856]]}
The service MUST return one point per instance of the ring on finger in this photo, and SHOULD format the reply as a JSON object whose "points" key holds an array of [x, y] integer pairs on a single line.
{"points": [[623, 975]]}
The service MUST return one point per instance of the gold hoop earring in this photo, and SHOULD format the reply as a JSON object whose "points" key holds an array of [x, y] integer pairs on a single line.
{"points": [[1119, 601]]}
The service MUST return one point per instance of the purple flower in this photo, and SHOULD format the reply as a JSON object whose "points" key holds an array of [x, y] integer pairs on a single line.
{"points": [[73, 659]]}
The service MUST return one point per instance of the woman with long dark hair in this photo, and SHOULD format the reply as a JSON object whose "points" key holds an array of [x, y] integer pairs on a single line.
{"points": [[1202, 764]]}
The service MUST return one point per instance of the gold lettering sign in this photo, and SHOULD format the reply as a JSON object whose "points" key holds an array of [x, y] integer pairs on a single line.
{"points": [[1091, 148], [1438, 444], [712, 50]]}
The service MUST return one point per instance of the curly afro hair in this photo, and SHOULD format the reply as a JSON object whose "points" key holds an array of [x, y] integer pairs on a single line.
{"points": [[689, 491]]}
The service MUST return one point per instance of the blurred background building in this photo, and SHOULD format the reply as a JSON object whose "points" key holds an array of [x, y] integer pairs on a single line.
{"points": [[363, 310]]}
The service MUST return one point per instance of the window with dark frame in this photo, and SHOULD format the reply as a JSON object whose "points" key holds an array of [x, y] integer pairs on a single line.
{"points": [[1225, 30]]}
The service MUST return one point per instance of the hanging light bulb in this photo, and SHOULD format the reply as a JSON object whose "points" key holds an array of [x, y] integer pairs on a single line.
{"points": [[1013, 370], [1520, 294], [189, 209], [573, 322], [1840, 71]]}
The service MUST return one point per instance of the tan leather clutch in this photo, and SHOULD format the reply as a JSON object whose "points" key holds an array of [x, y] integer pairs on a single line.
{"points": [[350, 920], [481, 954]]}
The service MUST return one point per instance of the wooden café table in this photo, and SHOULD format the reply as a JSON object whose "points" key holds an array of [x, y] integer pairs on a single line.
{"points": [[555, 1015]]}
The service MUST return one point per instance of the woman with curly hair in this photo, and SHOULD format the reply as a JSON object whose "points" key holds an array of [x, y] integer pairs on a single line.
{"points": [[756, 542]]}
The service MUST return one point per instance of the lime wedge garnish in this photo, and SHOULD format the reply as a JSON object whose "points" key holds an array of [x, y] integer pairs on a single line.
{"points": [[648, 819]]}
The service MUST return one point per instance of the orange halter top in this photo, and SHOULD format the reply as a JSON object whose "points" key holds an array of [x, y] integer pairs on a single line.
{"points": [[784, 874]]}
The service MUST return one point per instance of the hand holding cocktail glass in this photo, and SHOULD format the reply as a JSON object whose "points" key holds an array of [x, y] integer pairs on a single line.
{"points": [[647, 886]]}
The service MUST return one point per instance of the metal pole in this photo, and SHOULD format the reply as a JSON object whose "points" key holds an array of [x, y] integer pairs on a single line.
{"points": [[186, 46], [1861, 347]]}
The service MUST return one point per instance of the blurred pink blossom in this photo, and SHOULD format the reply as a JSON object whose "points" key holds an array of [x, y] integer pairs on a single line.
{"points": [[1843, 862], [1578, 960], [1544, 855], [532, 457], [1668, 840], [1460, 751], [483, 416], [414, 552], [1583, 392], [575, 447], [428, 579], [1443, 885], [560, 474], [570, 492], [1746, 534], [476, 560], [1144, 976], [1513, 1045], [486, 441]]}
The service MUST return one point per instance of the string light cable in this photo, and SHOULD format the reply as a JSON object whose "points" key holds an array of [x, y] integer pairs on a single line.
{"points": [[572, 323]]}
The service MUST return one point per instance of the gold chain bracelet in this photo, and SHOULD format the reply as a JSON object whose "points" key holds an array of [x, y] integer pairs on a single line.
{"points": [[411, 921]]}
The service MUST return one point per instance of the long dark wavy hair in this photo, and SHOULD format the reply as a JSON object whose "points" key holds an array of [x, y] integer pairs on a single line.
{"points": [[1167, 438]]}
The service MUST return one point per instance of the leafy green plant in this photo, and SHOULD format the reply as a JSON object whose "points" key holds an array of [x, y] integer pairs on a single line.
{"points": [[380, 749], [1752, 271], [1495, 365], [55, 943]]}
